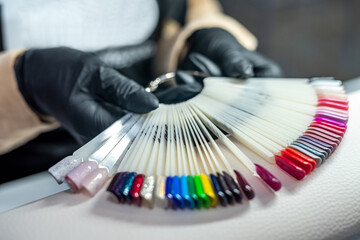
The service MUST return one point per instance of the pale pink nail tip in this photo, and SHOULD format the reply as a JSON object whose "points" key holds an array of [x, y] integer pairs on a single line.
{"points": [[95, 180], [78, 174]]}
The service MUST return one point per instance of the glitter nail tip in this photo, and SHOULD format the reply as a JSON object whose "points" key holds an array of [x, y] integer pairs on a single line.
{"points": [[147, 191], [126, 186], [160, 191], [76, 176], [268, 178], [62, 168], [95, 180]]}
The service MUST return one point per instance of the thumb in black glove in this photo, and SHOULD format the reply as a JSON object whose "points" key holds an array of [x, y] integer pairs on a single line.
{"points": [[218, 53], [79, 90]]}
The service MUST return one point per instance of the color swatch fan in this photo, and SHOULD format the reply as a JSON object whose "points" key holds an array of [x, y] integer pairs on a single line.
{"points": [[172, 156]]}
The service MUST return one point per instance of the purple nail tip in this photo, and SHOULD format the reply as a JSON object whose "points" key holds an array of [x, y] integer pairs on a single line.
{"points": [[245, 186], [115, 185], [268, 178], [330, 121], [332, 117]]}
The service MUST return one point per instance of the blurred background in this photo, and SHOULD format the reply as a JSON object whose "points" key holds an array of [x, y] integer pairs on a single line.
{"points": [[306, 37]]}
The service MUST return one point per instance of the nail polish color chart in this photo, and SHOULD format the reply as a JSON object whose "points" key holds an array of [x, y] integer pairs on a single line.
{"points": [[200, 154]]}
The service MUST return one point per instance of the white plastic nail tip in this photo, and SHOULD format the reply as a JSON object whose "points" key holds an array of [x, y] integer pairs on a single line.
{"points": [[62, 168]]}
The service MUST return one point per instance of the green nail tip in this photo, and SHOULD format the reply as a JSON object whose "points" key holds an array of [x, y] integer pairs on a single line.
{"points": [[192, 192], [205, 201]]}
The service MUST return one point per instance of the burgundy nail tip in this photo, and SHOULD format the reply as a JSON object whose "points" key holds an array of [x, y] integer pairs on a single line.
{"points": [[268, 178], [245, 186]]}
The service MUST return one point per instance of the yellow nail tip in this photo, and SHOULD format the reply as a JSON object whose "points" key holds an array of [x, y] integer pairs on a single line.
{"points": [[208, 189]]}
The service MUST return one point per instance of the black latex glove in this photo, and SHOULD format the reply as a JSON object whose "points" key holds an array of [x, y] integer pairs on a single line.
{"points": [[79, 90], [216, 52], [187, 86]]}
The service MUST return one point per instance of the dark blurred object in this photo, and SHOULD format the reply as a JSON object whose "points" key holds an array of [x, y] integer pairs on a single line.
{"points": [[307, 38], [352, 85], [180, 87], [37, 155]]}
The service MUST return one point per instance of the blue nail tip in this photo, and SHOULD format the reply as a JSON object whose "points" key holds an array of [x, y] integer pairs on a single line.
{"points": [[218, 191], [168, 193], [189, 202], [316, 153], [125, 188], [178, 201]]}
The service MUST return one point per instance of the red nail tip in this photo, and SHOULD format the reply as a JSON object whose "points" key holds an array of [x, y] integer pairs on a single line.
{"points": [[333, 105], [303, 164], [245, 186], [289, 167], [268, 178], [135, 189], [302, 156], [335, 100], [339, 128]]}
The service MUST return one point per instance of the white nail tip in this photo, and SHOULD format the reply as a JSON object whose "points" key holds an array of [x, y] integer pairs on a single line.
{"points": [[62, 168]]}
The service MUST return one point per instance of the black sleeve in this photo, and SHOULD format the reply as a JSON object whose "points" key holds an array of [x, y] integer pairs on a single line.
{"points": [[173, 9]]}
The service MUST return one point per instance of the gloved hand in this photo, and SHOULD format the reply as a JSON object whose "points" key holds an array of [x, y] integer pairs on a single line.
{"points": [[216, 52], [79, 90]]}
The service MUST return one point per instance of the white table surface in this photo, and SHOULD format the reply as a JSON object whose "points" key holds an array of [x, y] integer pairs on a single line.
{"points": [[324, 205]]}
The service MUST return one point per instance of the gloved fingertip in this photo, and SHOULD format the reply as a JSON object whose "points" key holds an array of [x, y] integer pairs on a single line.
{"points": [[242, 69], [248, 70], [269, 71], [204, 64], [141, 102]]}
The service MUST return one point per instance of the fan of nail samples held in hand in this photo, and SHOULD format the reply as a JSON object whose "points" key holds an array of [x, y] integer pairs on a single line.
{"points": [[172, 157]]}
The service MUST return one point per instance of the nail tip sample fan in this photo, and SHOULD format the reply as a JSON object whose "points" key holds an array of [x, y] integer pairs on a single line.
{"points": [[169, 156]]}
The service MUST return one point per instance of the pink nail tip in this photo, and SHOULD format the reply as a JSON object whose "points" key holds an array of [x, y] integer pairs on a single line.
{"points": [[268, 178], [95, 180], [78, 174], [62, 168]]}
